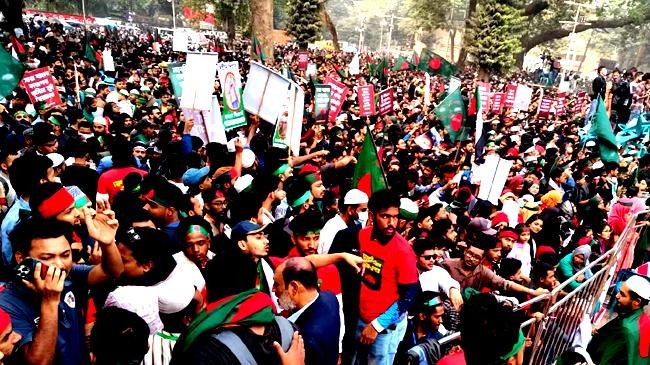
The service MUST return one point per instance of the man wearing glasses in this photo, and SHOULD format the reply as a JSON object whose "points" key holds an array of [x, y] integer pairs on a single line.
{"points": [[433, 277], [470, 274]]}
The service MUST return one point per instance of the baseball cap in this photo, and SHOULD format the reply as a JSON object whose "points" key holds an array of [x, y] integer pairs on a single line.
{"points": [[194, 176], [245, 228], [354, 197]]}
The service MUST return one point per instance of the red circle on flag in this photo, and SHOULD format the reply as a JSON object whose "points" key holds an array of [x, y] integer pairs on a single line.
{"points": [[434, 63], [456, 122]]}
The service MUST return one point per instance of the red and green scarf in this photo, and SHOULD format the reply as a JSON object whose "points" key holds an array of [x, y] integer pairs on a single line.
{"points": [[247, 308]]}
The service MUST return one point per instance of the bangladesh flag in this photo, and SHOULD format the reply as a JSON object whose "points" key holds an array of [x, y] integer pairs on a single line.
{"points": [[342, 72], [11, 72], [415, 59], [476, 109], [402, 64], [451, 111], [89, 52], [434, 64], [368, 175], [602, 130], [257, 49]]}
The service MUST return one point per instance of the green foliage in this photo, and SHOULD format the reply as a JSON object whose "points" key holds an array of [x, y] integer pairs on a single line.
{"points": [[494, 38], [303, 22]]}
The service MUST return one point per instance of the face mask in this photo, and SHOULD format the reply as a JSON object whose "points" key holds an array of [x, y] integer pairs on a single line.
{"points": [[86, 136], [363, 218]]}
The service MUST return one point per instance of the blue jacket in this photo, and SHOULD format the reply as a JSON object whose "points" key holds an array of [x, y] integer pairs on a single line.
{"points": [[319, 325]]}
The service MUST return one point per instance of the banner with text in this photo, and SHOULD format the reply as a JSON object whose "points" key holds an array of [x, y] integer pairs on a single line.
{"points": [[497, 102], [303, 60], [366, 99], [233, 105], [484, 89], [544, 107], [339, 92], [560, 104], [511, 92], [176, 76], [386, 101], [40, 87], [322, 94]]}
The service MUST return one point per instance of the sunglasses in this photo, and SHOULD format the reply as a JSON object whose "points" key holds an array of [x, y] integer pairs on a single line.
{"points": [[430, 257]]}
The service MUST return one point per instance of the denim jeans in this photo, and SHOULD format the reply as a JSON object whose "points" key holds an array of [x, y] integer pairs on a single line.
{"points": [[383, 350]]}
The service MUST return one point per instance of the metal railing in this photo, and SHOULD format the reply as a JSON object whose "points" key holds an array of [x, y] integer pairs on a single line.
{"points": [[564, 312]]}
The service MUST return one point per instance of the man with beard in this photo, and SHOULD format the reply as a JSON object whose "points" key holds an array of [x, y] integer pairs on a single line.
{"points": [[315, 312], [215, 206], [626, 339], [389, 283], [164, 203]]}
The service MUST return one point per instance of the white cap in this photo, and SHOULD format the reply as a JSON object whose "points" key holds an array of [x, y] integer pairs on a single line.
{"points": [[247, 158], [640, 286], [176, 291], [56, 159], [112, 97], [354, 197], [141, 300], [243, 182], [590, 144], [99, 120], [597, 165]]}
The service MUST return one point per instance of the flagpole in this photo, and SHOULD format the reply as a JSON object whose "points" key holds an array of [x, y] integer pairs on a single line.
{"points": [[83, 11]]}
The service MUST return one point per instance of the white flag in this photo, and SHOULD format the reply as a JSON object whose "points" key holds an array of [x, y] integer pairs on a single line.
{"points": [[354, 65]]}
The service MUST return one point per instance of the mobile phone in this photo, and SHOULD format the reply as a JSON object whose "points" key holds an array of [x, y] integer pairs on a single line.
{"points": [[25, 270]]}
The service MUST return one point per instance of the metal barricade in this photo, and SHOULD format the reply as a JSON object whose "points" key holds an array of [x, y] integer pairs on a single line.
{"points": [[564, 312]]}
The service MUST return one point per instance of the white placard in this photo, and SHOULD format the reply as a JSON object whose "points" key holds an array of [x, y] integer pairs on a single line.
{"points": [[454, 83], [107, 58], [494, 173], [522, 98], [179, 42], [264, 92], [198, 83], [208, 125]]}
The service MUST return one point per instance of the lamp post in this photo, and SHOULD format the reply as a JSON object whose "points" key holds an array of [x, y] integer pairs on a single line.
{"points": [[173, 13], [382, 24]]}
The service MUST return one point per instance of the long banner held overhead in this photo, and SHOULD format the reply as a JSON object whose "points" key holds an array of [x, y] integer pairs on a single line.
{"points": [[339, 91], [233, 105], [386, 101], [366, 97], [40, 87], [322, 95]]}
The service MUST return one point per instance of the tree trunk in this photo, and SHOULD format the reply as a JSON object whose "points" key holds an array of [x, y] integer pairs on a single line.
{"points": [[471, 9], [228, 14], [325, 17], [262, 26], [452, 44]]}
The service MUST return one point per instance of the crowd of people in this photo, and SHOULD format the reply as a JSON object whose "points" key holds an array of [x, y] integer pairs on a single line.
{"points": [[126, 239]]}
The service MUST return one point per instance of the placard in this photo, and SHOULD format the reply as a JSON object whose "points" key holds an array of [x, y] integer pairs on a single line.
{"points": [[322, 95], [454, 83], [230, 80], [484, 90], [198, 84], [176, 77], [522, 98], [339, 92], [39, 85], [208, 125], [303, 60], [511, 92], [497, 102], [560, 104], [493, 175], [265, 92], [386, 101], [179, 41], [366, 99], [288, 128], [544, 107]]}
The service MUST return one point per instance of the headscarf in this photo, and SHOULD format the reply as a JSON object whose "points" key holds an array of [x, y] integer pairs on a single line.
{"points": [[585, 251], [552, 199], [619, 215]]}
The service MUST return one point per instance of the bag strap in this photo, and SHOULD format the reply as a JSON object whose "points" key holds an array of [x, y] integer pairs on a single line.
{"points": [[286, 331], [235, 344]]}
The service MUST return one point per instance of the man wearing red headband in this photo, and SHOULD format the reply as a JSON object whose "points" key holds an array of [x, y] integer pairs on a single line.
{"points": [[8, 338]]}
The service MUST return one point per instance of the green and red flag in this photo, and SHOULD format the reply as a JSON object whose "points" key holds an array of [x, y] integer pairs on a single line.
{"points": [[11, 72], [402, 64], [368, 175], [341, 71], [475, 108], [89, 51], [451, 112], [257, 49], [415, 59], [601, 129], [434, 64]]}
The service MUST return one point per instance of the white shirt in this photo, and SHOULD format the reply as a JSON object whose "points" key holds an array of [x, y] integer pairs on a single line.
{"points": [[437, 280], [329, 231], [294, 317]]}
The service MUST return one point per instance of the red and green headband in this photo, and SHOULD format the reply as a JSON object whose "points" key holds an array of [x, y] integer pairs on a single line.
{"points": [[56, 203]]}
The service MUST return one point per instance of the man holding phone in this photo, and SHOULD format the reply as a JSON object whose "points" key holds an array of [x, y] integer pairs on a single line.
{"points": [[47, 310]]}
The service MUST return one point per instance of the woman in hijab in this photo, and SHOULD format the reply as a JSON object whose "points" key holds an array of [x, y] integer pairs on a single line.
{"points": [[551, 216], [571, 264]]}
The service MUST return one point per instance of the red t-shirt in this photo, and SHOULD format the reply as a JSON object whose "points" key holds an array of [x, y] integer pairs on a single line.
{"points": [[457, 358], [393, 264], [110, 182], [327, 275]]}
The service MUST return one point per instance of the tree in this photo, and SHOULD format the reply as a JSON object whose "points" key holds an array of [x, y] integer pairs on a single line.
{"points": [[304, 21], [262, 24], [490, 41], [331, 28]]}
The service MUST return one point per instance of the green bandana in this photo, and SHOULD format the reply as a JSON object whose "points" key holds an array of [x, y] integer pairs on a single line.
{"points": [[195, 228], [302, 199], [54, 121], [281, 170]]}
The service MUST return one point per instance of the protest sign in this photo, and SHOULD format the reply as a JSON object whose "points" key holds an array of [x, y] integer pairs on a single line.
{"points": [[39, 85], [265, 92], [523, 97], [544, 107], [354, 67], [493, 175], [311, 70], [454, 83], [560, 104], [198, 83], [230, 80], [581, 102], [107, 60], [303, 60], [322, 101], [497, 102], [180, 41], [366, 99], [339, 91], [288, 128], [511, 92], [176, 76], [484, 89], [208, 125], [386, 101]]}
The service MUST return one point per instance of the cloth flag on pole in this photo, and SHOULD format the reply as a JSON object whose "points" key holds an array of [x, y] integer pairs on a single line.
{"points": [[602, 130], [368, 175], [402, 64], [451, 111], [476, 108], [433, 63], [89, 52], [257, 49], [11, 71], [353, 68]]}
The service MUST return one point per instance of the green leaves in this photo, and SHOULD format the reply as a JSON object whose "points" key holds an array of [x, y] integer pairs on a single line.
{"points": [[303, 21]]}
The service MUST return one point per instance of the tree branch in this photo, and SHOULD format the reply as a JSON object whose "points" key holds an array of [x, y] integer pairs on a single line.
{"points": [[535, 8], [530, 42]]}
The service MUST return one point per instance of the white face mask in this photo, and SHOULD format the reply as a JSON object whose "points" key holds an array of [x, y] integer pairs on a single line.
{"points": [[363, 218]]}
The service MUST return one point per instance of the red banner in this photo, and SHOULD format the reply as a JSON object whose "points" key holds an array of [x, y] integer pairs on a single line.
{"points": [[366, 98], [560, 104], [544, 107], [484, 90], [40, 87], [386, 101], [581, 101], [511, 92], [339, 92], [497, 102], [303, 60]]}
